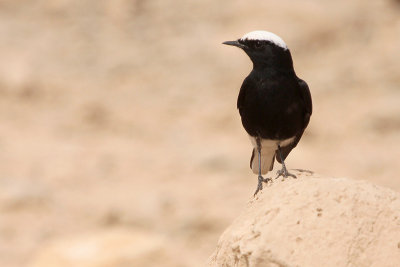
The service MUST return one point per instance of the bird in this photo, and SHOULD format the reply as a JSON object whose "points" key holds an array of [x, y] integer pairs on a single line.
{"points": [[274, 104]]}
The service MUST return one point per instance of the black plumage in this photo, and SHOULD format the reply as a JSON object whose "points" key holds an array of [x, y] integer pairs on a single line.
{"points": [[274, 104]]}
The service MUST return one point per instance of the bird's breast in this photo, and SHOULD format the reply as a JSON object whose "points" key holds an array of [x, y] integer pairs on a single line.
{"points": [[272, 111]]}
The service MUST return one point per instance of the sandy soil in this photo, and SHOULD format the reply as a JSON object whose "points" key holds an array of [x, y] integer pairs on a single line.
{"points": [[122, 114], [314, 221]]}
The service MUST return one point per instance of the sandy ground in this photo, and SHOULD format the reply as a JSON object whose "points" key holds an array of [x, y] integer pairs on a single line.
{"points": [[123, 113], [314, 221]]}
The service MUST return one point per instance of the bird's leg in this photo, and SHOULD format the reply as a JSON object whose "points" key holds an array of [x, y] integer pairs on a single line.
{"points": [[283, 172], [260, 178]]}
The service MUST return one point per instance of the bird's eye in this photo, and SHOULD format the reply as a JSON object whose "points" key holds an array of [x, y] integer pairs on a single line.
{"points": [[258, 44]]}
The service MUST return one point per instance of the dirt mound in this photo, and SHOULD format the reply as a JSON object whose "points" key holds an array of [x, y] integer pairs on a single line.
{"points": [[315, 221]]}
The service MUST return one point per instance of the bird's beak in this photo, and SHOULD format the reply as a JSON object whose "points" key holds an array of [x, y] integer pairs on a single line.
{"points": [[235, 43]]}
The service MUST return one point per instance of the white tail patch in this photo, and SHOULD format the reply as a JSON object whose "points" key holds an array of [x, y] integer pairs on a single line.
{"points": [[268, 150], [267, 158]]}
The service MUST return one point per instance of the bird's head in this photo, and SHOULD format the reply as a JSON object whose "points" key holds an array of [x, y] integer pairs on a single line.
{"points": [[264, 48]]}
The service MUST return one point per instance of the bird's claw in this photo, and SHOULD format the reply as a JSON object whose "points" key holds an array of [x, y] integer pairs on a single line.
{"points": [[261, 180], [284, 173]]}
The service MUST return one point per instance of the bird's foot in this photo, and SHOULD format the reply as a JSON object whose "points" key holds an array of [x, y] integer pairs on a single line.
{"points": [[261, 180], [284, 173]]}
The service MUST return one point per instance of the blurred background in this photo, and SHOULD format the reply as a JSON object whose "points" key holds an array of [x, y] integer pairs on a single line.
{"points": [[120, 142]]}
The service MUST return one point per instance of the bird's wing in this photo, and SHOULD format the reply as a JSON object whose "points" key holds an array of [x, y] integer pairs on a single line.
{"points": [[242, 94], [306, 98]]}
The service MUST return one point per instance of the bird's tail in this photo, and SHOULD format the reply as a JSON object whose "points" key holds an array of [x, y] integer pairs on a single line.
{"points": [[267, 160]]}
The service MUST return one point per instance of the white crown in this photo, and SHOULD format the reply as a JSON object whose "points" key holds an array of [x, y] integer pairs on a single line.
{"points": [[265, 36]]}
